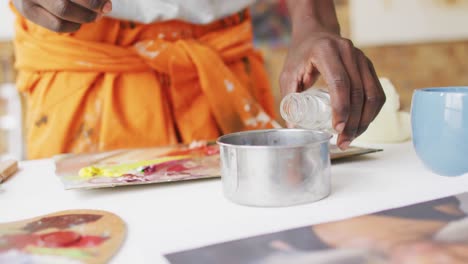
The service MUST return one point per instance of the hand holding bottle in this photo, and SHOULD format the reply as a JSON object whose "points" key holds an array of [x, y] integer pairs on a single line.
{"points": [[310, 109], [356, 95]]}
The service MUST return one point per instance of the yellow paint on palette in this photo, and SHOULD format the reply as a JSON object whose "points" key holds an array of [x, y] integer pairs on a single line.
{"points": [[121, 169]]}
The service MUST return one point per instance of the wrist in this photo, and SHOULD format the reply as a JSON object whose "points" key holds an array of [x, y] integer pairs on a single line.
{"points": [[310, 25], [313, 16]]}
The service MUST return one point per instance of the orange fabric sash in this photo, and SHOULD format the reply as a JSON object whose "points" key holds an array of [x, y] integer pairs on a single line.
{"points": [[92, 95]]}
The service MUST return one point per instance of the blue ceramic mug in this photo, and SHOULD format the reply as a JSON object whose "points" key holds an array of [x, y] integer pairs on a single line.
{"points": [[439, 120]]}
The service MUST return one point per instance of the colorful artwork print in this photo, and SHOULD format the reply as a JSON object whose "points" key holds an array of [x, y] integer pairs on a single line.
{"points": [[429, 232], [198, 160], [79, 236]]}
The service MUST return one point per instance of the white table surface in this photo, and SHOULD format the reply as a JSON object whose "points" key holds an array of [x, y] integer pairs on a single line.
{"points": [[170, 217]]}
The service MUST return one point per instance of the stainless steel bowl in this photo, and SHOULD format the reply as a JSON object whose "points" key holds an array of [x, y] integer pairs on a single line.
{"points": [[272, 168]]}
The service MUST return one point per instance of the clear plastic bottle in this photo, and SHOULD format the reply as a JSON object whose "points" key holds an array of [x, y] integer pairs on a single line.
{"points": [[310, 110]]}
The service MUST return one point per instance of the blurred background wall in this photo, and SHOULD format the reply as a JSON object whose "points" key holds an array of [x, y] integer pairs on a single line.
{"points": [[10, 107], [415, 43], [6, 49]]}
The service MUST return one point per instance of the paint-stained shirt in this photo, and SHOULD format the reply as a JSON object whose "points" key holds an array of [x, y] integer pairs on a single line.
{"points": [[194, 11]]}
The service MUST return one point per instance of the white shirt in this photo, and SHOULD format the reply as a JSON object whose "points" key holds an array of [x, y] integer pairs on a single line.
{"points": [[194, 11]]}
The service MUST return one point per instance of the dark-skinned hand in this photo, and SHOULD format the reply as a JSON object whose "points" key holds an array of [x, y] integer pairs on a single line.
{"points": [[355, 91], [62, 15]]}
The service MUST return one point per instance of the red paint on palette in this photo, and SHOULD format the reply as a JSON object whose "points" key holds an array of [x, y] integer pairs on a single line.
{"points": [[89, 241], [60, 239], [169, 166], [177, 168], [212, 150], [203, 150]]}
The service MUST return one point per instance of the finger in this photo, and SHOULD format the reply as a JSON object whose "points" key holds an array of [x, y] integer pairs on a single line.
{"points": [[301, 87], [69, 11], [381, 95], [374, 96], [289, 125], [289, 79], [330, 66], [310, 77], [41, 16], [286, 82], [349, 57], [99, 6]]}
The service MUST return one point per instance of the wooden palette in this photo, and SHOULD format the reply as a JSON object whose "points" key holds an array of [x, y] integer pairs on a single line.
{"points": [[163, 164], [75, 236], [337, 154]]}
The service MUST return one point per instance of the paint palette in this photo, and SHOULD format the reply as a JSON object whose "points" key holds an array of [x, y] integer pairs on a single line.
{"points": [[337, 154], [198, 160], [76, 236]]}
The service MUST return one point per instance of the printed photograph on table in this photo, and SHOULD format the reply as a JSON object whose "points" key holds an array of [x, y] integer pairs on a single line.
{"points": [[198, 160], [429, 232], [67, 237]]}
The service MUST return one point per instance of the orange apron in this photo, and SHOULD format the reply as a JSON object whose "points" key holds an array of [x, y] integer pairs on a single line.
{"points": [[116, 84]]}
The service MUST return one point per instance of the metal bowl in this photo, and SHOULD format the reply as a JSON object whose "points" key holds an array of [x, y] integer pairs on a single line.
{"points": [[273, 168]]}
